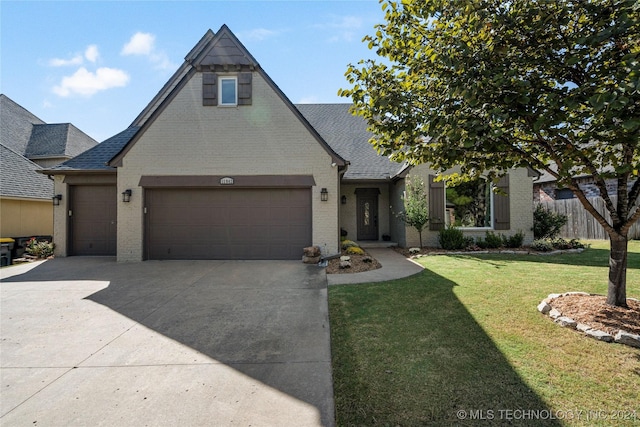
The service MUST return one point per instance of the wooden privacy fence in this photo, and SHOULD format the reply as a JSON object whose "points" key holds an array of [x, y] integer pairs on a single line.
{"points": [[580, 223]]}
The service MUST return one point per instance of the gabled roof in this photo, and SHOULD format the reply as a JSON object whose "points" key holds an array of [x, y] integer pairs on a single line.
{"points": [[219, 51], [96, 159], [348, 136], [19, 177]]}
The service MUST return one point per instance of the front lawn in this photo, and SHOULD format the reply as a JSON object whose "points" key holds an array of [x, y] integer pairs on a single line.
{"points": [[462, 343]]}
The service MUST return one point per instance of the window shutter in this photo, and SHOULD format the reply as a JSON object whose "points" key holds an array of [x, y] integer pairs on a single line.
{"points": [[209, 89], [436, 204], [501, 205], [244, 88]]}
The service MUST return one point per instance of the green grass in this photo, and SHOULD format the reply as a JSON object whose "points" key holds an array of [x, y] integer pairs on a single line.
{"points": [[465, 335]]}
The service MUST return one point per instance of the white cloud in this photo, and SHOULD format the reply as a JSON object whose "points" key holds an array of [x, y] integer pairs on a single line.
{"points": [[143, 44], [257, 34], [91, 53], [345, 28], [84, 82], [308, 100], [139, 44], [58, 62]]}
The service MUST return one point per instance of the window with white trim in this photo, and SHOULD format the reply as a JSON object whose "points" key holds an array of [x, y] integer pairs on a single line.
{"points": [[228, 91], [469, 204]]}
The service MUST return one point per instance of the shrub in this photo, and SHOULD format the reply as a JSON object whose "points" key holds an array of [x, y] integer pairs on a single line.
{"points": [[451, 238], [561, 243], [547, 224], [354, 250], [39, 249], [492, 240], [348, 244], [514, 241], [542, 245]]}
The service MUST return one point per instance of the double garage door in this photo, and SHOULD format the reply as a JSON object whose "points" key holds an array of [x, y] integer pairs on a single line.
{"points": [[239, 223]]}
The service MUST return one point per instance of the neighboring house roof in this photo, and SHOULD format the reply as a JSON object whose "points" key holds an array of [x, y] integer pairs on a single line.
{"points": [[57, 140], [19, 177], [348, 136], [16, 124], [96, 159]]}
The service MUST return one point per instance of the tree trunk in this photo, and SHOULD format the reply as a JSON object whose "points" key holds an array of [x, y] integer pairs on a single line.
{"points": [[617, 291]]}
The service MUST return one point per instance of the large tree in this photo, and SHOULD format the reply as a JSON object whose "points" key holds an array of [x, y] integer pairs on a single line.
{"points": [[489, 85]]}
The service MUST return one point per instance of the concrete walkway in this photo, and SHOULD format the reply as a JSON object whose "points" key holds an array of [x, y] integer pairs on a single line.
{"points": [[87, 341], [394, 266]]}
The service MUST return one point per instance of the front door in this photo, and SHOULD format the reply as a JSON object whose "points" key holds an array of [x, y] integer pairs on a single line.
{"points": [[367, 211]]}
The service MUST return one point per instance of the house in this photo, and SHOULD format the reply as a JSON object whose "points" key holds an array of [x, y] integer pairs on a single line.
{"points": [[221, 165], [27, 145]]}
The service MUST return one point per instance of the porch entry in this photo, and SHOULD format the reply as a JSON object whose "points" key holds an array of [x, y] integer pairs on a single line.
{"points": [[367, 213]]}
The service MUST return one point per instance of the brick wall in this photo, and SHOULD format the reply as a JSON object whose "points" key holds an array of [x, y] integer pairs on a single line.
{"points": [[264, 138]]}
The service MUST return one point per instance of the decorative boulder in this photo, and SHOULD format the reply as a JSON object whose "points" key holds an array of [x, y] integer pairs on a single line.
{"points": [[544, 307], [566, 322], [311, 251], [345, 258], [345, 264], [629, 339], [599, 335], [414, 251]]}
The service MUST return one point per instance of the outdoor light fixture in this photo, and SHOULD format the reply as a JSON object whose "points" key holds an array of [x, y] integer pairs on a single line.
{"points": [[56, 199], [126, 196], [343, 200], [324, 195]]}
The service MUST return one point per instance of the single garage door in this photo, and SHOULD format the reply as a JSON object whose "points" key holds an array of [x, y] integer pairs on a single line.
{"points": [[93, 219], [197, 223]]}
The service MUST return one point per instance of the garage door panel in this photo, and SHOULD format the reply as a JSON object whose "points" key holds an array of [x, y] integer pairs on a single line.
{"points": [[227, 223], [93, 220]]}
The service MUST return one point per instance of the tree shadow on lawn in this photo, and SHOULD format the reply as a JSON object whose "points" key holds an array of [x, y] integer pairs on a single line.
{"points": [[409, 353], [588, 258]]}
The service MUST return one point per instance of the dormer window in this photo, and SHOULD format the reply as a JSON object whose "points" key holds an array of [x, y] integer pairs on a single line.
{"points": [[228, 87]]}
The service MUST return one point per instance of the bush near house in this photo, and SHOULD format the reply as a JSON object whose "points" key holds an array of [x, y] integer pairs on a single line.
{"points": [[42, 249]]}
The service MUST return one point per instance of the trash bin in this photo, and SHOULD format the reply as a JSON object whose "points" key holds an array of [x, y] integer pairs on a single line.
{"points": [[6, 246]]}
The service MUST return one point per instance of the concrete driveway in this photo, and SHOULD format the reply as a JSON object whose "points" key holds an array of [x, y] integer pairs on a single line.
{"points": [[88, 341]]}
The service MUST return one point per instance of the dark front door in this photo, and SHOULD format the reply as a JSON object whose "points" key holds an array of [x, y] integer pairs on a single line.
{"points": [[93, 219], [367, 211]]}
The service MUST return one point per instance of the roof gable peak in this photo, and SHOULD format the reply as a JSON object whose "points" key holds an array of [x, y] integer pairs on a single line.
{"points": [[224, 52]]}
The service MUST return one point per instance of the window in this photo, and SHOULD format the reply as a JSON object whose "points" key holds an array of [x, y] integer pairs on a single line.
{"points": [[228, 87], [470, 205]]}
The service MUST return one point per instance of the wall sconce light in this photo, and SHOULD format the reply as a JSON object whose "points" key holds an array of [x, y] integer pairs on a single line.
{"points": [[324, 195], [126, 196], [56, 199], [343, 200]]}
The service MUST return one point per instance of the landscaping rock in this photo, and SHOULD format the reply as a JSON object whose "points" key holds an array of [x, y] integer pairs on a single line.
{"points": [[575, 293], [367, 259], [312, 251], [632, 340], [310, 259], [599, 335], [544, 307], [566, 322], [345, 264], [345, 258], [414, 251], [554, 314], [582, 327]]}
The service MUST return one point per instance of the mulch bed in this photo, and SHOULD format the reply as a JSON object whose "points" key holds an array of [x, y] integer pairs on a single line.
{"points": [[592, 310], [357, 264]]}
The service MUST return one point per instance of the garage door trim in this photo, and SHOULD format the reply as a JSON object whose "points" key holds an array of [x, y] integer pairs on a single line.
{"points": [[239, 181]]}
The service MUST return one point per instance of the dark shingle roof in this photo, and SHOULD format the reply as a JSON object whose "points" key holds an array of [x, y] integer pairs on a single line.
{"points": [[97, 157], [57, 140], [348, 136], [19, 177], [15, 125]]}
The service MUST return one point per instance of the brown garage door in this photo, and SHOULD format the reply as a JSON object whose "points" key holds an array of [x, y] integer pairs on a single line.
{"points": [[209, 223], [93, 219]]}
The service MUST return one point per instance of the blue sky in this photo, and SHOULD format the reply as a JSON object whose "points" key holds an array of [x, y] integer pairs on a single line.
{"points": [[97, 64]]}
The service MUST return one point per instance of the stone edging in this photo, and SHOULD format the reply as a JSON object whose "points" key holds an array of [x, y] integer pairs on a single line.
{"points": [[504, 251], [621, 337]]}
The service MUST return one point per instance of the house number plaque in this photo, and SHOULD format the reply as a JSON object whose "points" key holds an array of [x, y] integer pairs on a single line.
{"points": [[227, 180]]}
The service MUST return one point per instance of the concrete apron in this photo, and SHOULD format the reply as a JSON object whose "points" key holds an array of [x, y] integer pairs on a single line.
{"points": [[88, 341]]}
